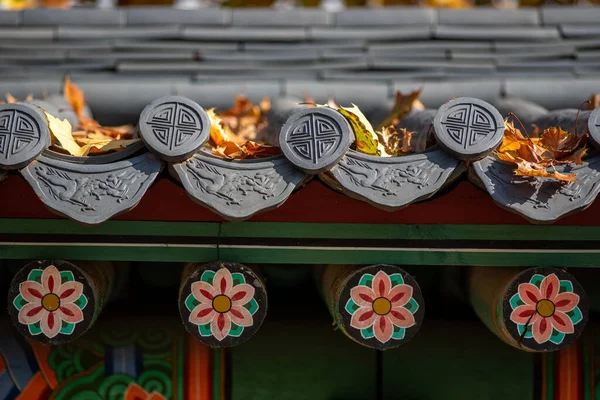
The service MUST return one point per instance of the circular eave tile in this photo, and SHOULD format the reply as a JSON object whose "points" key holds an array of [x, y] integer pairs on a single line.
{"points": [[315, 139], [594, 127], [24, 134], [174, 127], [468, 128]]}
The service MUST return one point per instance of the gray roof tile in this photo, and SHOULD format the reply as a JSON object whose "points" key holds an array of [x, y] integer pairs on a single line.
{"points": [[390, 16], [74, 16], [99, 33], [245, 34], [570, 31], [370, 34], [495, 33], [570, 15], [437, 93], [488, 16], [27, 33], [172, 16], [553, 93], [271, 17], [10, 18]]}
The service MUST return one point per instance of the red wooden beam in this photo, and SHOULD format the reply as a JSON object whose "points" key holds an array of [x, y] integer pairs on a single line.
{"points": [[167, 201]]}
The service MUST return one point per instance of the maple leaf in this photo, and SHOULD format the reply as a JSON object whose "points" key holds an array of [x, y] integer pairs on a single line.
{"points": [[513, 138], [10, 99], [593, 102], [526, 168], [75, 96], [559, 140], [402, 106]]}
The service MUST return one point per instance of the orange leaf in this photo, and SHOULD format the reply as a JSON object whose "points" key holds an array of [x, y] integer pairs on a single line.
{"points": [[10, 99], [75, 96], [576, 157], [559, 140], [402, 106], [525, 168]]}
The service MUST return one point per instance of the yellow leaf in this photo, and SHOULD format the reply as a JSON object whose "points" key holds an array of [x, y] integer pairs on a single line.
{"points": [[75, 96], [10, 98], [366, 139], [62, 131], [217, 134], [402, 106], [525, 168]]}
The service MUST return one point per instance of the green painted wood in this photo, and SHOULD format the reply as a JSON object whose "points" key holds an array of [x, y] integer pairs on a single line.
{"points": [[456, 360], [304, 230]]}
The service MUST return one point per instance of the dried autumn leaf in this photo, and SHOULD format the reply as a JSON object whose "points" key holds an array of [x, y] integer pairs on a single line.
{"points": [[217, 134], [366, 139], [593, 102], [513, 138], [75, 96], [61, 132], [403, 105], [559, 140], [575, 158], [10, 99], [245, 120], [525, 168]]}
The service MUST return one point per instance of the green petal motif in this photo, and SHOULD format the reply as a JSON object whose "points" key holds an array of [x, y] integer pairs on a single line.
{"points": [[66, 276], [252, 306], [566, 286], [537, 280], [516, 301], [367, 333], [412, 306], [396, 279], [34, 329], [366, 280], [398, 333], [191, 302], [35, 275], [67, 328], [205, 330], [351, 307], [521, 329], [19, 302], [236, 330], [238, 278], [207, 276], [575, 315], [557, 337]]}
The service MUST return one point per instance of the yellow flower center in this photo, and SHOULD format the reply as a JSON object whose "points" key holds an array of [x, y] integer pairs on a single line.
{"points": [[545, 308], [221, 303], [51, 302], [382, 306]]}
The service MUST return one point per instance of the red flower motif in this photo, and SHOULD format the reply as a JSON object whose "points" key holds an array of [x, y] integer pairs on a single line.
{"points": [[382, 307], [221, 304], [50, 302], [545, 308]]}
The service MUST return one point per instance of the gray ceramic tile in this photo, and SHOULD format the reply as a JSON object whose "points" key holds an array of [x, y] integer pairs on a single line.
{"points": [[370, 76], [496, 33], [488, 16], [37, 46], [370, 34], [343, 92], [10, 18], [429, 45], [290, 56], [341, 45], [391, 16], [73, 16], [245, 34], [127, 56], [570, 15], [98, 191], [588, 55], [437, 93], [381, 63], [395, 182], [36, 87], [526, 47], [172, 46], [270, 75], [536, 74], [80, 32], [116, 102], [507, 65], [222, 94], [29, 57], [572, 92], [152, 16], [537, 199], [439, 55], [270, 17], [571, 31], [158, 66], [7, 34]]}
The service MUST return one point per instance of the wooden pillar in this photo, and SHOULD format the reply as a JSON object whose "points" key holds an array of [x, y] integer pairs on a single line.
{"points": [[55, 302], [378, 306], [537, 309], [222, 304]]}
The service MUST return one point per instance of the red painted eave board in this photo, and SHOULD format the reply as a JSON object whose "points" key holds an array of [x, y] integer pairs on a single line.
{"points": [[167, 201]]}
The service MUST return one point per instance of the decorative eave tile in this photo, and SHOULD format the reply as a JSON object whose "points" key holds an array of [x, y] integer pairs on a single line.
{"points": [[391, 183], [238, 189], [540, 200], [91, 194]]}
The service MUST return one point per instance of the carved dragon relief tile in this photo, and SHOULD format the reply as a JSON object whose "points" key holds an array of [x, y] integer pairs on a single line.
{"points": [[537, 199], [92, 194], [394, 183], [238, 190]]}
